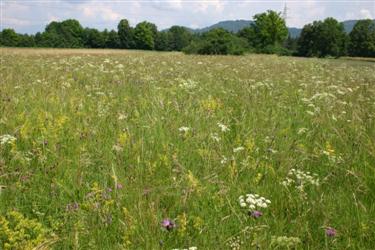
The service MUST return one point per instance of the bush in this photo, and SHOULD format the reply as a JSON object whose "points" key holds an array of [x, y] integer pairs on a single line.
{"points": [[276, 49], [217, 42]]}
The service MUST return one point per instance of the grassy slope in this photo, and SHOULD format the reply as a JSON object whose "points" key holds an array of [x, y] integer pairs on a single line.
{"points": [[69, 108]]}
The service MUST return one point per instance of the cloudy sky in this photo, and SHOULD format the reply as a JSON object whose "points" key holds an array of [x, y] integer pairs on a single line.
{"points": [[30, 16]]}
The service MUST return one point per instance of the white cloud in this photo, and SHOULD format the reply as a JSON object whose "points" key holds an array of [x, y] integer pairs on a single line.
{"points": [[209, 6], [101, 11], [165, 13], [364, 13]]}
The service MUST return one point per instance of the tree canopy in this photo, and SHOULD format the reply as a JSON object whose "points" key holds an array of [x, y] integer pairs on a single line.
{"points": [[269, 28], [322, 39], [266, 34], [362, 39]]}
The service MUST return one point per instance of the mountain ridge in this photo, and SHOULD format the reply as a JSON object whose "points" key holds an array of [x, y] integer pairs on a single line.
{"points": [[237, 25]]}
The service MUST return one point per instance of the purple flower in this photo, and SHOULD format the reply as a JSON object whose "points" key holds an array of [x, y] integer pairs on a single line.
{"points": [[256, 214], [71, 207], [119, 186], [168, 224], [331, 232]]}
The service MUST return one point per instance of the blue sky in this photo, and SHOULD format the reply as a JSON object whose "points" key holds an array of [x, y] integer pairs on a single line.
{"points": [[30, 16]]}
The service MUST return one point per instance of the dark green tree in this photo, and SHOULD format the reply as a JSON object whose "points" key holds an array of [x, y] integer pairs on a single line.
{"points": [[26, 40], [93, 38], [248, 33], [362, 39], [162, 41], [65, 34], [9, 38], [306, 41], [322, 39], [113, 40], [125, 34], [217, 42], [179, 38], [291, 44]]}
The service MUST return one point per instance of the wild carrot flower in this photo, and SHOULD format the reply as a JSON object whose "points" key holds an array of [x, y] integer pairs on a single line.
{"points": [[254, 203], [238, 149], [7, 139], [184, 129], [223, 127]]}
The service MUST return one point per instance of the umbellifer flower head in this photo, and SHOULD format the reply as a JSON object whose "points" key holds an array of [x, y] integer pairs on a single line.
{"points": [[331, 232], [168, 224]]}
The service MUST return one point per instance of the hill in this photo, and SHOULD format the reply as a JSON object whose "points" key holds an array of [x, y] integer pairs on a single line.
{"points": [[236, 25]]}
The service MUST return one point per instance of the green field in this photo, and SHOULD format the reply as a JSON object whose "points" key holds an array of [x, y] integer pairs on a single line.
{"points": [[98, 147]]}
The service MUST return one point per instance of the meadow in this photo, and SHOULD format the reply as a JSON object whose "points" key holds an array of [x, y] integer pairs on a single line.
{"points": [[109, 149]]}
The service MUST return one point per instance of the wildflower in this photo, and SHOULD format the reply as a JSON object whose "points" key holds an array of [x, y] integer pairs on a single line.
{"points": [[190, 248], [188, 84], [215, 137], [284, 241], [254, 203], [119, 186], [7, 139], [300, 179], [235, 243], [184, 129], [330, 232], [71, 207], [117, 148], [224, 160], [121, 117], [256, 214], [168, 224], [302, 131], [238, 149], [223, 127]]}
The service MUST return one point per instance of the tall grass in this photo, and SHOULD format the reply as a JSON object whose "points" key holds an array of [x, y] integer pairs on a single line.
{"points": [[99, 148]]}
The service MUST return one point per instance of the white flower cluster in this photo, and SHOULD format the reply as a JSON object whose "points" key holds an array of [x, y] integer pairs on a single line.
{"points": [[215, 137], [7, 139], [238, 149], [188, 84], [284, 241], [300, 178], [253, 201], [184, 129], [190, 248], [235, 243], [223, 127]]}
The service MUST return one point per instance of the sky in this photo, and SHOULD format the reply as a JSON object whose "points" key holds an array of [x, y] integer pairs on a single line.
{"points": [[31, 16]]}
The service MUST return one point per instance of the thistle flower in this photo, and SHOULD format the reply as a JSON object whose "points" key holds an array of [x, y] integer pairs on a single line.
{"points": [[71, 207], [119, 186], [168, 224], [330, 232], [256, 214]]}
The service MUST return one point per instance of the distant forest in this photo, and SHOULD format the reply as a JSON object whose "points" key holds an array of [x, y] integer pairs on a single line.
{"points": [[267, 33]]}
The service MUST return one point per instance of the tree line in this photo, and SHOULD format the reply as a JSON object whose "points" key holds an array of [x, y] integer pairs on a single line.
{"points": [[267, 34]]}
